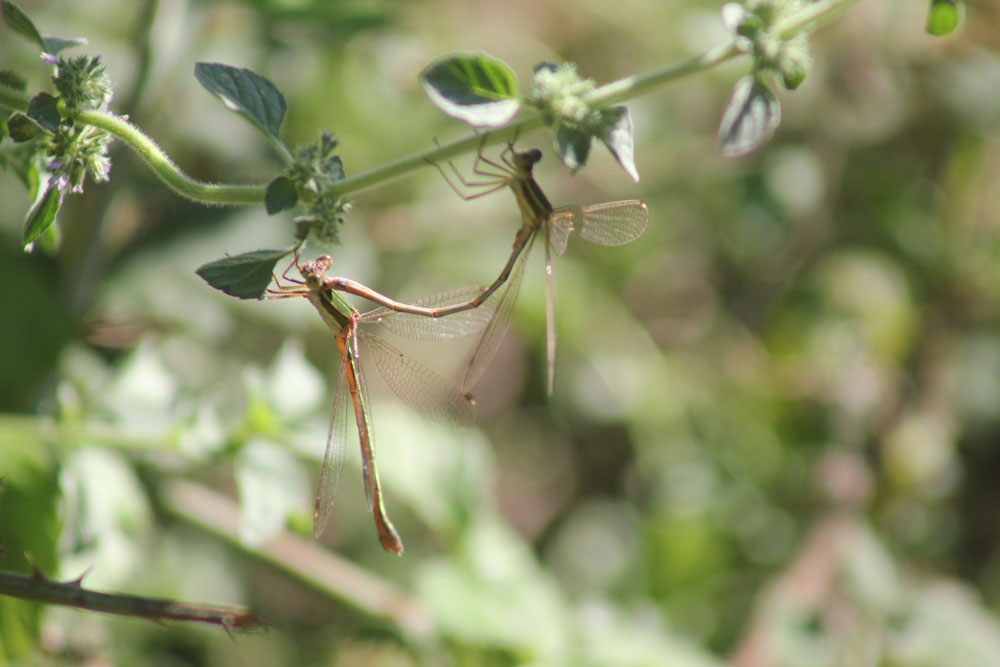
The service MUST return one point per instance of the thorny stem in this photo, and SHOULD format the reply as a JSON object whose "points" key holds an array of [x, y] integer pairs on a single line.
{"points": [[72, 594], [306, 561], [612, 93]]}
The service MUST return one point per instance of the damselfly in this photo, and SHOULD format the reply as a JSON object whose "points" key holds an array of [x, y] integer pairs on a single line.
{"points": [[608, 224], [413, 383]]}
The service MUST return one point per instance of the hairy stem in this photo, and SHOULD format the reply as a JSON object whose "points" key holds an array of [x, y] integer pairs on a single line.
{"points": [[178, 181], [612, 93]]}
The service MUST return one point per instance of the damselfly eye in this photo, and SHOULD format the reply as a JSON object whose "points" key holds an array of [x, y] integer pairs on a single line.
{"points": [[532, 157]]}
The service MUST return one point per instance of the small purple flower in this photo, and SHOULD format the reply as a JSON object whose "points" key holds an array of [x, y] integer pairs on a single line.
{"points": [[61, 182]]}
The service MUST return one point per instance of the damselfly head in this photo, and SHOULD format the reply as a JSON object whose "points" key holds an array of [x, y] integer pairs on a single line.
{"points": [[313, 271], [323, 263], [528, 159]]}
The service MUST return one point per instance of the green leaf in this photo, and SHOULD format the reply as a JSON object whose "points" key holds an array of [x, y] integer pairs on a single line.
{"points": [[945, 16], [280, 195], [751, 117], [472, 87], [22, 128], [272, 486], [29, 524], [244, 276], [44, 109], [54, 45], [246, 92], [573, 146], [21, 24], [616, 133], [13, 80], [42, 215]]}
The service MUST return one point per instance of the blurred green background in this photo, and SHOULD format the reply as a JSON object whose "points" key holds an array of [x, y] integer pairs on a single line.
{"points": [[774, 435]]}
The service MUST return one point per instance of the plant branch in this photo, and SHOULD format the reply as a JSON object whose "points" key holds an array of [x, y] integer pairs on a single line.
{"points": [[207, 193], [72, 594], [303, 560], [612, 93]]}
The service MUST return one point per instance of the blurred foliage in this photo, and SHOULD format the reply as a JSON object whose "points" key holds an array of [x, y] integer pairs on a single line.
{"points": [[774, 433]]}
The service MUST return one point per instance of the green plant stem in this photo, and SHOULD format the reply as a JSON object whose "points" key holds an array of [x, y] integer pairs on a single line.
{"points": [[178, 181], [612, 93]]}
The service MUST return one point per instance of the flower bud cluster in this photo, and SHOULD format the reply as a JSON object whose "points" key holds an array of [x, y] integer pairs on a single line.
{"points": [[76, 150], [753, 25], [558, 90], [315, 173]]}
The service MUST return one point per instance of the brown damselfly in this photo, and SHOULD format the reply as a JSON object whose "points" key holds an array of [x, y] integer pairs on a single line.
{"points": [[414, 383]]}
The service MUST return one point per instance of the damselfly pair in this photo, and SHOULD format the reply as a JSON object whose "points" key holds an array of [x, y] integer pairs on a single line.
{"points": [[451, 314]]}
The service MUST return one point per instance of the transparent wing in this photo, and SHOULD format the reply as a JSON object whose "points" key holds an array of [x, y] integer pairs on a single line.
{"points": [[494, 332], [333, 460], [559, 225], [421, 327], [610, 223], [420, 387], [550, 323]]}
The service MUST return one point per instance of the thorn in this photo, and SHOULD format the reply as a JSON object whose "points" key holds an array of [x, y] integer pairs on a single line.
{"points": [[36, 573], [78, 582]]}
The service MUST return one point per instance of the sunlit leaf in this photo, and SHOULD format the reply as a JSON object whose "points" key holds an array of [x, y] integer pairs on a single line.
{"points": [[945, 16], [244, 276], [616, 134], [17, 21], [42, 214], [751, 117], [472, 87], [246, 92], [272, 485]]}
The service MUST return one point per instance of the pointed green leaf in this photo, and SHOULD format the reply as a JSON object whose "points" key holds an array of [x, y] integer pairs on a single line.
{"points": [[22, 128], [19, 23], [573, 146], [280, 195], [616, 133], [42, 215], [472, 87], [54, 45], [944, 17], [751, 117], [44, 110], [246, 92], [244, 276]]}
